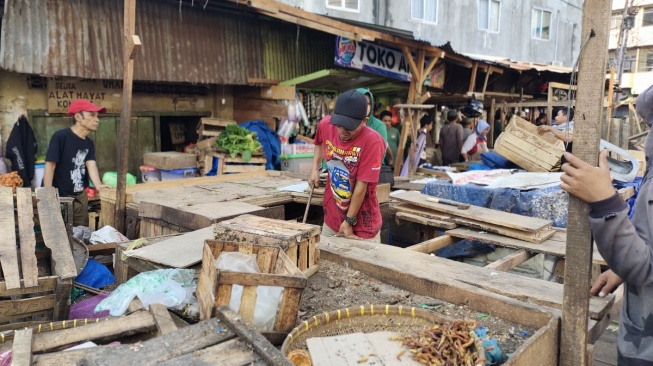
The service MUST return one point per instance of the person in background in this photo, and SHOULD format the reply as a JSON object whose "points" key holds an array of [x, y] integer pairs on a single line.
{"points": [[564, 126], [476, 143], [626, 245], [467, 129], [542, 120], [393, 137], [451, 139], [70, 159], [353, 154], [419, 155], [373, 122]]}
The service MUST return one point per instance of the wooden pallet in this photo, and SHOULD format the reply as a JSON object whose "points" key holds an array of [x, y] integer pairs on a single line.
{"points": [[297, 240], [30, 293], [226, 338], [524, 146]]}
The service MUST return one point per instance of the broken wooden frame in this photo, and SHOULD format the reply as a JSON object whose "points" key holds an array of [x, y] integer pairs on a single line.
{"points": [[31, 294], [226, 337]]}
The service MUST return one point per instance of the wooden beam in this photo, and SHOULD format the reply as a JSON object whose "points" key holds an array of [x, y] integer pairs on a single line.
{"points": [[433, 245], [589, 107], [511, 261], [411, 63], [164, 322], [608, 115], [129, 45], [472, 78]]}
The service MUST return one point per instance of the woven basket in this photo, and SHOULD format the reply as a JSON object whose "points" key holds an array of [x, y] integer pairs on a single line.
{"points": [[366, 319]]}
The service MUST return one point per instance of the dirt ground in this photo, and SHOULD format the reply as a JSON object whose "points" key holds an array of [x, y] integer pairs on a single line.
{"points": [[335, 287]]}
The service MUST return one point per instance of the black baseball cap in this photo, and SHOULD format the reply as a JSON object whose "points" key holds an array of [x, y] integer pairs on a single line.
{"points": [[350, 111]]}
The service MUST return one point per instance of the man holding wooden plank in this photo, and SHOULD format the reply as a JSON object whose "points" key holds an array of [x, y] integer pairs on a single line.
{"points": [[353, 154], [626, 245]]}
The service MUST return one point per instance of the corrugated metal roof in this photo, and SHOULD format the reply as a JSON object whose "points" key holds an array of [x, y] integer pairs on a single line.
{"points": [[83, 38]]}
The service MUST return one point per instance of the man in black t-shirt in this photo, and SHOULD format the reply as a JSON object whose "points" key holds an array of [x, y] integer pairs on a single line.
{"points": [[70, 160]]}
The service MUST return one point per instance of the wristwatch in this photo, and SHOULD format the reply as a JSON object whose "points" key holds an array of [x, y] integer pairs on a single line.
{"points": [[351, 220]]}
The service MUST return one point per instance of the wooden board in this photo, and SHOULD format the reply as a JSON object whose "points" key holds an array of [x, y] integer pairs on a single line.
{"points": [[554, 246], [533, 237], [162, 318], [358, 348], [8, 254], [181, 251], [511, 261], [27, 238], [416, 210], [233, 352], [54, 232], [411, 263], [21, 352], [170, 160], [425, 221], [196, 216], [477, 213]]}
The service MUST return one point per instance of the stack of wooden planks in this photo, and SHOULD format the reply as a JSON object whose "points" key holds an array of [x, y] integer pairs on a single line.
{"points": [[226, 338], [26, 294], [417, 206], [297, 240], [524, 146]]}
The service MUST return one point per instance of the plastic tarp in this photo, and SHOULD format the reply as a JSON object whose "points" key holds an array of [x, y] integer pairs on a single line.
{"points": [[548, 203]]}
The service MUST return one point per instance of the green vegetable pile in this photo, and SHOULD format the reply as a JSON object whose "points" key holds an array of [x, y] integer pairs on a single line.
{"points": [[238, 140]]}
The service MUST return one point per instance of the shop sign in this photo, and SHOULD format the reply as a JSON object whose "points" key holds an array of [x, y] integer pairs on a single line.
{"points": [[63, 91], [381, 60]]}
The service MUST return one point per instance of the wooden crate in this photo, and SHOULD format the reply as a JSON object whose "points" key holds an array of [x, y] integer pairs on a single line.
{"points": [[524, 146], [212, 127], [297, 240], [26, 293], [214, 286], [229, 165]]}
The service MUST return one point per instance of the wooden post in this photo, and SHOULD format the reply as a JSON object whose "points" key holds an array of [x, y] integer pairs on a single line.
{"points": [[490, 119], [608, 115], [549, 107], [589, 106], [131, 46]]}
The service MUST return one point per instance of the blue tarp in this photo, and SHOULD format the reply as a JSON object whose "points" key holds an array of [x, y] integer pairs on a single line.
{"points": [[269, 140], [548, 203]]}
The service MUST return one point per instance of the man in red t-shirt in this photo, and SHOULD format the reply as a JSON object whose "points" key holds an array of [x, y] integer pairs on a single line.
{"points": [[353, 154]]}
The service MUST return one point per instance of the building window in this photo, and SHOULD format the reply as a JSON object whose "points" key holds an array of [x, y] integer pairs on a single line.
{"points": [[488, 15], [424, 10], [541, 24], [348, 5], [647, 19], [615, 21], [648, 67], [629, 63]]}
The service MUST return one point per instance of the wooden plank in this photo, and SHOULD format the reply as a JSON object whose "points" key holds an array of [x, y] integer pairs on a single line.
{"points": [[432, 245], [8, 254], [44, 284], [54, 232], [416, 210], [422, 277], [21, 350], [393, 259], [247, 303], [259, 344], [235, 351], [224, 295], [511, 261], [10, 309], [541, 346], [589, 108], [553, 246], [27, 238], [626, 193], [490, 216], [153, 351], [162, 318], [61, 308], [259, 279], [113, 327], [533, 237], [181, 251], [425, 221], [596, 328], [266, 259]]}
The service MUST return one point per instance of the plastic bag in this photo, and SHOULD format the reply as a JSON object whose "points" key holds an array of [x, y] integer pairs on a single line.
{"points": [[82, 233], [267, 297], [173, 288], [111, 179]]}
